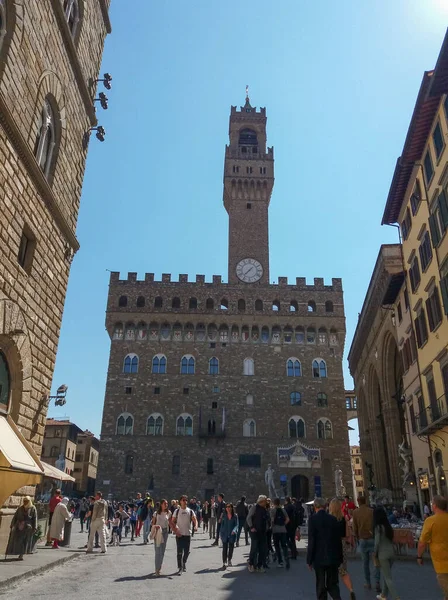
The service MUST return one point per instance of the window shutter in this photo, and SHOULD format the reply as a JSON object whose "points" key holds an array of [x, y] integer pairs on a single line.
{"points": [[417, 331], [444, 290], [430, 315], [443, 205], [437, 307], [434, 230]]}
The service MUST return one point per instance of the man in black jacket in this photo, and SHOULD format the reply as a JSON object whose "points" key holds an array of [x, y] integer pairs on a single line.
{"points": [[291, 527], [242, 511], [324, 551], [220, 510]]}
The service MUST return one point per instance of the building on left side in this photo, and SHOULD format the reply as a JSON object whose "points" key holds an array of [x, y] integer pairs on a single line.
{"points": [[46, 108]]}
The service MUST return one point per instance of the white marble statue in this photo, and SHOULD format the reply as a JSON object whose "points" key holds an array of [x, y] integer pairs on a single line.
{"points": [[405, 455], [269, 480], [340, 489]]}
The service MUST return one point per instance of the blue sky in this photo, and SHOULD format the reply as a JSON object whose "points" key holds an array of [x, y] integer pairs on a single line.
{"points": [[339, 81]]}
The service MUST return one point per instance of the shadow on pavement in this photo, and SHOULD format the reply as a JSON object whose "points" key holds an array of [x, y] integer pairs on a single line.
{"points": [[145, 577]]}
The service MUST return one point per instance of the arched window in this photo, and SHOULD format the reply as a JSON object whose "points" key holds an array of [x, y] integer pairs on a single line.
{"points": [[5, 382], [258, 304], [319, 368], [295, 398], [213, 366], [324, 429], [248, 137], [249, 428], [154, 425], [130, 364], [438, 458], [72, 16], [311, 306], [184, 424], [129, 464], [175, 303], [118, 331], [293, 307], [224, 304], [123, 301], [158, 302], [322, 400], [159, 364], [193, 303], [248, 366], [54, 452], [209, 305], [211, 426], [293, 367], [276, 306], [296, 427], [329, 306], [175, 465], [3, 22], [44, 149], [140, 302], [241, 304], [187, 365], [125, 424]]}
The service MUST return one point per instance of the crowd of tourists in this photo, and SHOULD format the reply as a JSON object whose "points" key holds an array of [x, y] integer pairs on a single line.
{"points": [[269, 526]]}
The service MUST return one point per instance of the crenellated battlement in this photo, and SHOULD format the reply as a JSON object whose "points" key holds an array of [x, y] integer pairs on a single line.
{"points": [[300, 283], [244, 110]]}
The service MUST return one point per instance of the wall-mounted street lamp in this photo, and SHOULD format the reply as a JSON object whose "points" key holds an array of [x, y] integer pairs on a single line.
{"points": [[100, 135], [59, 399], [103, 100], [107, 78]]}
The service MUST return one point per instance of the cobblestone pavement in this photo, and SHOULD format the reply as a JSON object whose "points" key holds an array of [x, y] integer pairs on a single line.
{"points": [[127, 572]]}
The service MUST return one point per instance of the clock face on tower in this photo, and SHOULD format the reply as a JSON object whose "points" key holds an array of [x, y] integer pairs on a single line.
{"points": [[249, 270]]}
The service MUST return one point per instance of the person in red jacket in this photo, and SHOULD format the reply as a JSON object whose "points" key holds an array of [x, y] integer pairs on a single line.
{"points": [[54, 501], [348, 506]]}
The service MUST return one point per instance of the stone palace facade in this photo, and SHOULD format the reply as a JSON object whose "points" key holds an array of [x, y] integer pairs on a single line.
{"points": [[209, 383]]}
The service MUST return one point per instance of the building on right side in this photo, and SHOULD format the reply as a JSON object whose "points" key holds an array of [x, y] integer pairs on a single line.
{"points": [[418, 202]]}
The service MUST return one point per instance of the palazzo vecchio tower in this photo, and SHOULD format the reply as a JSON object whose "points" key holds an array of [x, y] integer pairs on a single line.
{"points": [[211, 382]]}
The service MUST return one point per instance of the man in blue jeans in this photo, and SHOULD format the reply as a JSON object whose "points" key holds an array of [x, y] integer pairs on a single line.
{"points": [[363, 532]]}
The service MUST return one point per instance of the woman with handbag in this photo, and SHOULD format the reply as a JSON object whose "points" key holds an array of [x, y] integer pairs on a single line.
{"points": [[384, 551], [335, 509], [159, 533], [23, 526], [228, 533]]}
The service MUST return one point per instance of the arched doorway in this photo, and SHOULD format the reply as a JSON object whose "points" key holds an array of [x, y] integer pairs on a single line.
{"points": [[300, 487]]}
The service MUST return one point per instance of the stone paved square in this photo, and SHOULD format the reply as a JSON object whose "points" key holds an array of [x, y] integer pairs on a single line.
{"points": [[127, 572]]}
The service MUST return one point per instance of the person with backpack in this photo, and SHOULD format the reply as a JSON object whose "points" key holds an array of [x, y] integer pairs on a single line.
{"points": [[145, 515], [280, 520], [291, 527], [181, 522], [242, 510]]}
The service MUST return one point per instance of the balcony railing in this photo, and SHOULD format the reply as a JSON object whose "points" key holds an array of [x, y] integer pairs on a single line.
{"points": [[433, 417], [205, 432]]}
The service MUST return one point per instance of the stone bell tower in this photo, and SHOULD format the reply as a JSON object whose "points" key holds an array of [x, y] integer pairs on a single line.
{"points": [[248, 183]]}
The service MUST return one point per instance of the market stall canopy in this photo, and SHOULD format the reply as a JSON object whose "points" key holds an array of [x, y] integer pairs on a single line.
{"points": [[53, 473], [19, 464]]}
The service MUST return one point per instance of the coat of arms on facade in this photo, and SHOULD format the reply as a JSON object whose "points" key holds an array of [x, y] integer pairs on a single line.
{"points": [[299, 456]]}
